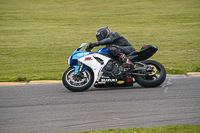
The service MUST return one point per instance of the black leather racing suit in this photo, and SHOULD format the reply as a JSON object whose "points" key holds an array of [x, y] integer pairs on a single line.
{"points": [[116, 44]]}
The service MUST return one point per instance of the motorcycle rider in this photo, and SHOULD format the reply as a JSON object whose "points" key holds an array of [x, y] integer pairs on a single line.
{"points": [[117, 45]]}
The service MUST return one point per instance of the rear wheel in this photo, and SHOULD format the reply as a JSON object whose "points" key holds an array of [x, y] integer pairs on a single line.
{"points": [[79, 82], [155, 78]]}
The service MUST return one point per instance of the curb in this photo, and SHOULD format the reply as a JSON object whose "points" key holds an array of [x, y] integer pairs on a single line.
{"points": [[45, 82], [176, 76], [31, 82], [193, 74], [190, 74], [12, 83]]}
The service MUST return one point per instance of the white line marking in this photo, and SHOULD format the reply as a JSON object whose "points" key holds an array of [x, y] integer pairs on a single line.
{"points": [[165, 86]]}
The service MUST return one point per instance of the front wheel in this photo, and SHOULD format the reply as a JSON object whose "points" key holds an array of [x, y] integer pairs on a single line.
{"points": [[79, 82], [155, 78]]}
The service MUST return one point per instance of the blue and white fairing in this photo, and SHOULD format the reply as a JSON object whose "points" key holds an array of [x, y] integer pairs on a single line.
{"points": [[73, 59], [88, 58], [103, 50]]}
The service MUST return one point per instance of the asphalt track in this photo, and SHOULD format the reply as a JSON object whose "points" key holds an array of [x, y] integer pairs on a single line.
{"points": [[50, 108]]}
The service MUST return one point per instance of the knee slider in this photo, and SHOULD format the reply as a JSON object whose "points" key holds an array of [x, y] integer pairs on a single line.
{"points": [[114, 50]]}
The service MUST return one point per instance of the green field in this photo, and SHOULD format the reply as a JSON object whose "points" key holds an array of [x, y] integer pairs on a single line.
{"points": [[165, 129], [37, 36]]}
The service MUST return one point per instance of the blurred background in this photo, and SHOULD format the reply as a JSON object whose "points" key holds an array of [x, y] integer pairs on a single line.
{"points": [[38, 36]]}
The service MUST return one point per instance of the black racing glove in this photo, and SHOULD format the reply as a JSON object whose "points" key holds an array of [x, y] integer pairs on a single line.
{"points": [[90, 47]]}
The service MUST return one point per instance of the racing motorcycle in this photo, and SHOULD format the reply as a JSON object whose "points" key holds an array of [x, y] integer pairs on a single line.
{"points": [[101, 69]]}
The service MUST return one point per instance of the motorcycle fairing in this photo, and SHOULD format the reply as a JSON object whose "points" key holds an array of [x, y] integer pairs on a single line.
{"points": [[83, 56], [94, 64], [114, 82], [77, 54], [103, 50]]}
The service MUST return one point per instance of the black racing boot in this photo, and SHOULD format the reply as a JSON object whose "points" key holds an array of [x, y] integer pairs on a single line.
{"points": [[126, 62]]}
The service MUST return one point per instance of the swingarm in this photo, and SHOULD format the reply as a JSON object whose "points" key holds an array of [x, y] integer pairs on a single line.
{"points": [[141, 69]]}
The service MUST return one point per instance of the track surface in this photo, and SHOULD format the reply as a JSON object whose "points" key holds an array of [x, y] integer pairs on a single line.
{"points": [[50, 108]]}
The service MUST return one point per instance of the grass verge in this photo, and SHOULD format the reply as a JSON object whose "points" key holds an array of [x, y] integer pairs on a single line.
{"points": [[37, 37], [164, 129]]}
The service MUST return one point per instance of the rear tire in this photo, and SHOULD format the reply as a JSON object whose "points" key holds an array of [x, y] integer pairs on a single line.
{"points": [[153, 80], [77, 84]]}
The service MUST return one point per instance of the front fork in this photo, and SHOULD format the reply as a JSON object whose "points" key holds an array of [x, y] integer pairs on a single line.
{"points": [[79, 68]]}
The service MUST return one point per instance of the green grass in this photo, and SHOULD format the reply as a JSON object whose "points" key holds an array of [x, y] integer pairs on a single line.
{"points": [[165, 129], [37, 36]]}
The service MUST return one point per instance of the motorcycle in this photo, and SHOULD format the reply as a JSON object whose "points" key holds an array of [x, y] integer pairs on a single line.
{"points": [[101, 69]]}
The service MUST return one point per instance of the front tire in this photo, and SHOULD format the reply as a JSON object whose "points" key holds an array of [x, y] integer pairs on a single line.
{"points": [[76, 83], [152, 80]]}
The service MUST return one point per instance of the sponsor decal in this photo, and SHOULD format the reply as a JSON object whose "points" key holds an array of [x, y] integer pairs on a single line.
{"points": [[88, 58], [145, 46], [120, 82], [101, 82], [129, 80], [82, 54], [105, 77], [108, 80]]}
